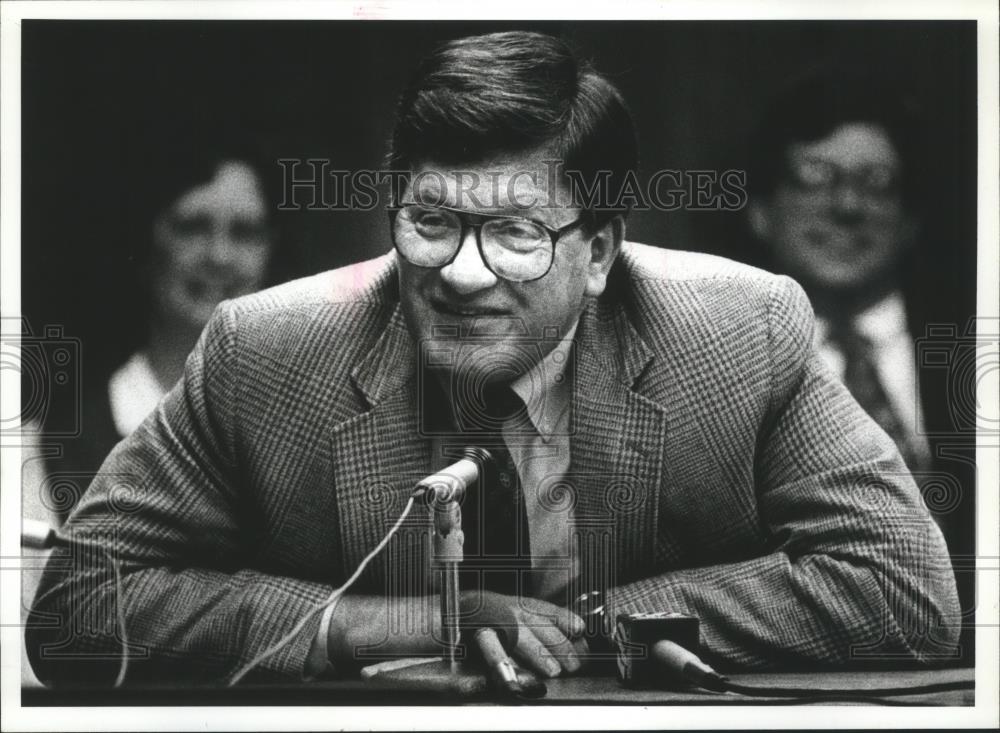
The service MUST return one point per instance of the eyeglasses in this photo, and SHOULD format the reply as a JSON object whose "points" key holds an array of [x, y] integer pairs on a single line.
{"points": [[514, 248], [874, 181]]}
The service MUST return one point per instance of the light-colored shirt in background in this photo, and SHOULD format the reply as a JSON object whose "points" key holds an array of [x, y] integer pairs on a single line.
{"points": [[134, 393]]}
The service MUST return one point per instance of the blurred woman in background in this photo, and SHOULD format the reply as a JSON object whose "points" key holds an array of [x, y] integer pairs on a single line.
{"points": [[211, 242], [198, 223], [202, 232]]}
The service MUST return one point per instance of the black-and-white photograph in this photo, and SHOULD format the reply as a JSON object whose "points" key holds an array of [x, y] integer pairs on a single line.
{"points": [[368, 362]]}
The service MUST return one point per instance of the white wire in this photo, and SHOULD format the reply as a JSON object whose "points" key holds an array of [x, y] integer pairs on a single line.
{"points": [[331, 599], [119, 600], [120, 603]]}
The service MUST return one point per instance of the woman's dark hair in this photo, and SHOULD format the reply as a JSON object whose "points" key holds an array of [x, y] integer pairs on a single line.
{"points": [[177, 160], [813, 107], [166, 163], [512, 92]]}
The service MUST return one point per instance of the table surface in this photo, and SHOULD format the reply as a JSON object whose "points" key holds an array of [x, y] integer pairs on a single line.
{"points": [[584, 690]]}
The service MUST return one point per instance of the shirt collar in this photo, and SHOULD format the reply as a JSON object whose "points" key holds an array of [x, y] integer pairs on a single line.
{"points": [[546, 390], [881, 322], [134, 393]]}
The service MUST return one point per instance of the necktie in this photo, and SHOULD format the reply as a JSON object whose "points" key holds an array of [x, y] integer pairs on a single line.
{"points": [[862, 380], [497, 547]]}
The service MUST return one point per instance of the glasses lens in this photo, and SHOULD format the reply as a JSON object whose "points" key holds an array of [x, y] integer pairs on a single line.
{"points": [[517, 249], [812, 174], [878, 180], [820, 175], [426, 236]]}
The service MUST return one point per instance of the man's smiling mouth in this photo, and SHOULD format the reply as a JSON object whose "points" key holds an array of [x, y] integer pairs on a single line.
{"points": [[466, 310]]}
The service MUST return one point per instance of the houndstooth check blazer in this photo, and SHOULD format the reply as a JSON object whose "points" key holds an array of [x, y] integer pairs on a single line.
{"points": [[717, 468]]}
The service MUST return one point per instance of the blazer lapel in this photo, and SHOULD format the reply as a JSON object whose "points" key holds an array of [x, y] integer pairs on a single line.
{"points": [[378, 457], [616, 464], [617, 451]]}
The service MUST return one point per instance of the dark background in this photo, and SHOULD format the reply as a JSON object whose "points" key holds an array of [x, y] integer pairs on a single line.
{"points": [[96, 95]]}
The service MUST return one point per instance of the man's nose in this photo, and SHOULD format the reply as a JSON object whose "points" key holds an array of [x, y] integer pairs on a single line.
{"points": [[848, 201], [220, 247], [467, 273]]}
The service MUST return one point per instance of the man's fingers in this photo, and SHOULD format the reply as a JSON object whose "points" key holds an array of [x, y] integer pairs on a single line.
{"points": [[570, 624], [582, 650], [531, 652], [559, 646]]}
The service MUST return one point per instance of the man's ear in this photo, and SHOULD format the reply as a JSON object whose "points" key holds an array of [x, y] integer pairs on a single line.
{"points": [[605, 244], [759, 217]]}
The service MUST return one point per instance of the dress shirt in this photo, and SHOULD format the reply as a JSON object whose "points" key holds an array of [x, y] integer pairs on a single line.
{"points": [[134, 393], [542, 462]]}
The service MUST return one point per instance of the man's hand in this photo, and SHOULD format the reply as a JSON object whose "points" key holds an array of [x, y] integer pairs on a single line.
{"points": [[367, 629], [549, 638]]}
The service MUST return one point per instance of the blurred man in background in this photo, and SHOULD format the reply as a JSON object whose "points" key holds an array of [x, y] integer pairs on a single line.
{"points": [[836, 192], [831, 204]]}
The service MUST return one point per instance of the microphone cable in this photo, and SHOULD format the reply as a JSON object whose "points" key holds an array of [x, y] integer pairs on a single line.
{"points": [[38, 535], [769, 691], [690, 667], [320, 607]]}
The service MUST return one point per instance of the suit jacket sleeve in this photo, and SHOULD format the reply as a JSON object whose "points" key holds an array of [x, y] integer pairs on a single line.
{"points": [[167, 504], [857, 572]]}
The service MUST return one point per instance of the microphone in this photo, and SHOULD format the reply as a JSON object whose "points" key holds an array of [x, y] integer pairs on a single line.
{"points": [[494, 630], [502, 669], [687, 666], [656, 647], [451, 483], [37, 535], [446, 490]]}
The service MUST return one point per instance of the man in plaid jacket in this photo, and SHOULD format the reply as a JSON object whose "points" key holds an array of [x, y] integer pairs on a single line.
{"points": [[685, 449]]}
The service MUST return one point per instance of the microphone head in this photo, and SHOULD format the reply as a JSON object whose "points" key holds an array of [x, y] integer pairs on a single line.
{"points": [[36, 535], [442, 488], [451, 483]]}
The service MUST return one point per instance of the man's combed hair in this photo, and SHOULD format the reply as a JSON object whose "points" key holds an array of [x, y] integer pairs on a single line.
{"points": [[815, 106], [477, 97]]}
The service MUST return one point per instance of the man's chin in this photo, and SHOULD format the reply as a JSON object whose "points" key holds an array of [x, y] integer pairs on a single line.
{"points": [[189, 313], [478, 361], [496, 327], [858, 285]]}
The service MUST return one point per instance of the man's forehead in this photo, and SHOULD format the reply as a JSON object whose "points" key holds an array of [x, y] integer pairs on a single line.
{"points": [[852, 145], [504, 184]]}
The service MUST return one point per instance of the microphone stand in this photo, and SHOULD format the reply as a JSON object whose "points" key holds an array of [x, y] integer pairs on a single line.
{"points": [[448, 554], [447, 489]]}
